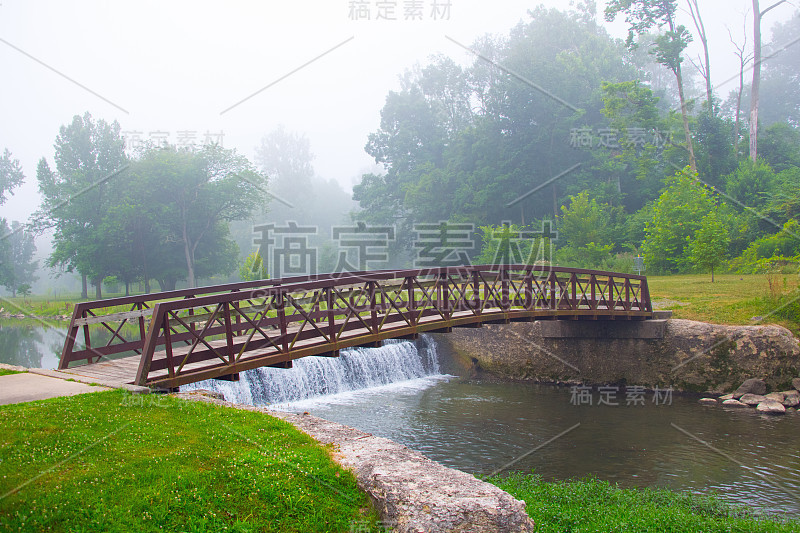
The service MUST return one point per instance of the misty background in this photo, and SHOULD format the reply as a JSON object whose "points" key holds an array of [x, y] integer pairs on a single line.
{"points": [[189, 71]]}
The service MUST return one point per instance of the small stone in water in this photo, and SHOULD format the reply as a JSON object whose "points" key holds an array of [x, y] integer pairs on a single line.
{"points": [[734, 403]]}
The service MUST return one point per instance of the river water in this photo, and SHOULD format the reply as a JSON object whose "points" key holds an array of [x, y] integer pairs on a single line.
{"points": [[416, 395]]}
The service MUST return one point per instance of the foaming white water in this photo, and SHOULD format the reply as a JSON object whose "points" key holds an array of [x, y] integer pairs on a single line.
{"points": [[356, 369]]}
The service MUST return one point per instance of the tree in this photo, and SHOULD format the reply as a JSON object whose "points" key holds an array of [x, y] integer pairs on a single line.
{"points": [[643, 15], [253, 268], [11, 175], [677, 215], [744, 59], [89, 155], [18, 264], [584, 221], [708, 247], [751, 184], [704, 66], [755, 87], [190, 197], [471, 144], [16, 242]]}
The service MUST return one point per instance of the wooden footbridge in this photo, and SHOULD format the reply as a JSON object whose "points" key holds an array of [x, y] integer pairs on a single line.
{"points": [[172, 338]]}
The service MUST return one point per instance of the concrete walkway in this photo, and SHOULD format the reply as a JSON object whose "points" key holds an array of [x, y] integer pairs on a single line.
{"points": [[27, 387]]}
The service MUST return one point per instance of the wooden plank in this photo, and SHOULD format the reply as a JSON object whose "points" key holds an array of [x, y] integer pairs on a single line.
{"points": [[113, 317]]}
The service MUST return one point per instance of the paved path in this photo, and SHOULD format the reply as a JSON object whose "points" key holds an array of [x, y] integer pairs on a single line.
{"points": [[27, 387]]}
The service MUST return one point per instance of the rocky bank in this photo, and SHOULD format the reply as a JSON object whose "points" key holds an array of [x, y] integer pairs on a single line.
{"points": [[684, 354]]}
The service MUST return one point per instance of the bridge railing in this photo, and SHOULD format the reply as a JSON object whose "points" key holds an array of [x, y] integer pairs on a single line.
{"points": [[102, 328], [254, 324]]}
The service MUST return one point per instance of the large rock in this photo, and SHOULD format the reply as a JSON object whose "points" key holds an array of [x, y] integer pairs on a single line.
{"points": [[791, 398], [413, 493], [750, 386], [771, 407], [734, 403], [753, 399], [796, 384], [690, 356], [777, 396], [726, 397]]}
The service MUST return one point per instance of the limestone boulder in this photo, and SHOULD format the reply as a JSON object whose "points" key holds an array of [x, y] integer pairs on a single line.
{"points": [[751, 386], [791, 398], [734, 403], [777, 396], [796, 384], [771, 407], [753, 399]]}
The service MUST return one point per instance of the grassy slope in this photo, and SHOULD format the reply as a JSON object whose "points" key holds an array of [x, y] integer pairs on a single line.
{"points": [[592, 505], [115, 462], [731, 299]]}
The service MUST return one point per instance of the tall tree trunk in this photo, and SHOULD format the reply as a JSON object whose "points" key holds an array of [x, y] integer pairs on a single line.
{"points": [[685, 116], [756, 86], [84, 287], [146, 285], [187, 250], [694, 9], [98, 289], [744, 59], [738, 112], [127, 288]]}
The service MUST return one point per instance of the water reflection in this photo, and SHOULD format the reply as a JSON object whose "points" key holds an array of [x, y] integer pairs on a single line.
{"points": [[29, 344]]}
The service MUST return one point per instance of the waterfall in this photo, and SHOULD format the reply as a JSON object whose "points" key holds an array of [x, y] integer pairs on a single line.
{"points": [[312, 377]]}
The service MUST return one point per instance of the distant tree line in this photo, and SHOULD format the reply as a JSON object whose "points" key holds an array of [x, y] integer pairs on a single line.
{"points": [[159, 215], [657, 167]]}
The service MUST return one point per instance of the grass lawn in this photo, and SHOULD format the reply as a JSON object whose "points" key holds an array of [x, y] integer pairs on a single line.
{"points": [[593, 505], [731, 299], [111, 461], [6, 372]]}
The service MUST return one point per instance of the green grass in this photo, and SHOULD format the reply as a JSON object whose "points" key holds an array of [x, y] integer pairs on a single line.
{"points": [[593, 505], [111, 461], [732, 298], [6, 372]]}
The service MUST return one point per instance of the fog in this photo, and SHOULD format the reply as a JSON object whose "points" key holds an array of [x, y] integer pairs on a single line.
{"points": [[234, 71]]}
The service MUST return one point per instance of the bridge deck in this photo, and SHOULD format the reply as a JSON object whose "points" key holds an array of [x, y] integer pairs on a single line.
{"points": [[214, 335]]}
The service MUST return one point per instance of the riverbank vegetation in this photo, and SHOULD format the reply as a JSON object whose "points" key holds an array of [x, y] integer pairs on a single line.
{"points": [[594, 505], [113, 461]]}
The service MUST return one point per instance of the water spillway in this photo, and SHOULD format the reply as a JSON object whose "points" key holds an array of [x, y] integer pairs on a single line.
{"points": [[312, 377]]}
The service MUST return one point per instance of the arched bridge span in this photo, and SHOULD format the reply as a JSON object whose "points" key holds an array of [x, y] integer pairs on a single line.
{"points": [[172, 338]]}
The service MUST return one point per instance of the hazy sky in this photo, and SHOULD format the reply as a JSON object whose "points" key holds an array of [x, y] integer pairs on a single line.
{"points": [[175, 66]]}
